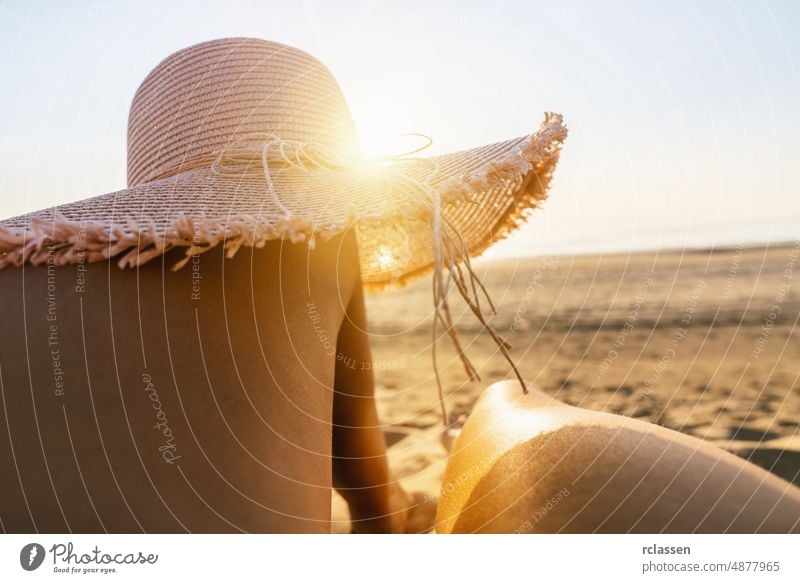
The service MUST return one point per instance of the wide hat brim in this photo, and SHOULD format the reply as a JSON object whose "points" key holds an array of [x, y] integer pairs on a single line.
{"points": [[485, 193]]}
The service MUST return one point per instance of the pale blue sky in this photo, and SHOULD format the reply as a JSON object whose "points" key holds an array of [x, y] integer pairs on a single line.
{"points": [[684, 116]]}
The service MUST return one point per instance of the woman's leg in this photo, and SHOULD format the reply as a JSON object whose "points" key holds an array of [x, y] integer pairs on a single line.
{"points": [[529, 463]]}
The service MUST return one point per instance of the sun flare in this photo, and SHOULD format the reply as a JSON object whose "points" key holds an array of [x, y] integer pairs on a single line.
{"points": [[386, 258]]}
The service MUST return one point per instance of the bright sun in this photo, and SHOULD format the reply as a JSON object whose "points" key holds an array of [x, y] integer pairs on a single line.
{"points": [[384, 135]]}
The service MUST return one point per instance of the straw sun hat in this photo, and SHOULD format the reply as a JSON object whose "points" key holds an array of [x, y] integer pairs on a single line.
{"points": [[239, 141]]}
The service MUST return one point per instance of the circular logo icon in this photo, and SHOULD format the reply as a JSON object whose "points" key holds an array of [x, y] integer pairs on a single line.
{"points": [[31, 556]]}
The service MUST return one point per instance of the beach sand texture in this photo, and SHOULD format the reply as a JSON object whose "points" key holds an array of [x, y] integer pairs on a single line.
{"points": [[705, 342]]}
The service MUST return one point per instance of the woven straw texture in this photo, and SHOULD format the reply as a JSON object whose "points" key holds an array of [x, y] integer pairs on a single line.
{"points": [[240, 141]]}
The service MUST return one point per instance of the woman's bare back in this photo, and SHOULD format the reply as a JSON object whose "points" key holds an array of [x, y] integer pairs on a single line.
{"points": [[150, 400]]}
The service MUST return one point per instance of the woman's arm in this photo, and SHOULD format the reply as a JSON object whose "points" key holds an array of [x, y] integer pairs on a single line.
{"points": [[360, 469]]}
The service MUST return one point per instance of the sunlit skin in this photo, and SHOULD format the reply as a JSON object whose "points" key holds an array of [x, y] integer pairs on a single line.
{"points": [[530, 463]]}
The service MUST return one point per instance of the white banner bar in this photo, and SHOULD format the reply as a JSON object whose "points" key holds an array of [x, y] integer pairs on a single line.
{"points": [[401, 559]]}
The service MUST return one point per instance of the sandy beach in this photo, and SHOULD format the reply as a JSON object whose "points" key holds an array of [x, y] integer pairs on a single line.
{"points": [[705, 342]]}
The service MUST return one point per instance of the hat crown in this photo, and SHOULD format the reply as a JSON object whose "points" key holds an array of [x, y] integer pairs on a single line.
{"points": [[241, 91]]}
